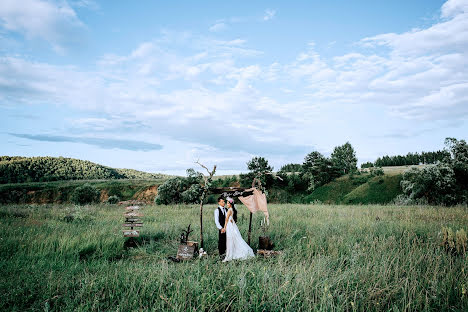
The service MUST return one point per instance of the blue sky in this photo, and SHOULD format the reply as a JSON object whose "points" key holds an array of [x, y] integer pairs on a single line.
{"points": [[157, 85]]}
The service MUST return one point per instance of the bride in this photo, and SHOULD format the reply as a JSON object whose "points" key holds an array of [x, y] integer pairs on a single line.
{"points": [[236, 247]]}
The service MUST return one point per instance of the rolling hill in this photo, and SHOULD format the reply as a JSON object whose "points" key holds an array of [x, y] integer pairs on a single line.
{"points": [[18, 169]]}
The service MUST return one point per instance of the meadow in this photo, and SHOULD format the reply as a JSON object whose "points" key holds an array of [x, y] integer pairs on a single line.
{"points": [[334, 258]]}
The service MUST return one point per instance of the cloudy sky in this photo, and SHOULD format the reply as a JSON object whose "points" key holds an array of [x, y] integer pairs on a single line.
{"points": [[156, 85]]}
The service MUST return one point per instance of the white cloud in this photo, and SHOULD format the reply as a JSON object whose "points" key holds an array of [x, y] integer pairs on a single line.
{"points": [[220, 26], [445, 36], [218, 93], [269, 14], [56, 23]]}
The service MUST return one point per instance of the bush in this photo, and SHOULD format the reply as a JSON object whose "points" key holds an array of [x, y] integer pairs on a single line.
{"points": [[170, 191], [435, 183], [210, 199], [85, 194], [114, 199], [192, 194], [377, 171]]}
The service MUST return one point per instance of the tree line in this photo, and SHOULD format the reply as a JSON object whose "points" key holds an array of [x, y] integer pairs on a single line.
{"points": [[315, 171], [409, 159], [16, 169]]}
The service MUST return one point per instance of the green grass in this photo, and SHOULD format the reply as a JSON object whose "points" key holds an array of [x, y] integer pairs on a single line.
{"points": [[358, 189], [378, 190], [335, 191], [335, 258]]}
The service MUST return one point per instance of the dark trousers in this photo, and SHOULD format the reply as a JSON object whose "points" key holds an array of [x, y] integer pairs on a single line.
{"points": [[221, 242]]}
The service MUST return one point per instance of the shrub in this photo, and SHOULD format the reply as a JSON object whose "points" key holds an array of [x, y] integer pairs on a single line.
{"points": [[114, 199], [435, 183], [192, 194], [78, 214], [85, 194], [377, 171], [211, 199], [170, 191]]}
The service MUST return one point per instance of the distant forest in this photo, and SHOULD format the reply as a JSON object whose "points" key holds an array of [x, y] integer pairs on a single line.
{"points": [[409, 159], [19, 169]]}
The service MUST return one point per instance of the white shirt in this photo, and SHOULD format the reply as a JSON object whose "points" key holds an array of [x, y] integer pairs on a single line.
{"points": [[216, 217]]}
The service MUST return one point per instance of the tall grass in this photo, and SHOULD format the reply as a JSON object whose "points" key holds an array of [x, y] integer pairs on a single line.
{"points": [[335, 258]]}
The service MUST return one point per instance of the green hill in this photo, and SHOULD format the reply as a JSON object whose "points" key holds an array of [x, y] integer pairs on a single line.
{"points": [[359, 189], [19, 169]]}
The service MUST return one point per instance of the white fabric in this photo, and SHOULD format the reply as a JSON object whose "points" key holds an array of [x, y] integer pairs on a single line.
{"points": [[256, 202], [216, 217], [236, 247]]}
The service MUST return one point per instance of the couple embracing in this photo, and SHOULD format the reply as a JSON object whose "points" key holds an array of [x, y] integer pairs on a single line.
{"points": [[230, 241]]}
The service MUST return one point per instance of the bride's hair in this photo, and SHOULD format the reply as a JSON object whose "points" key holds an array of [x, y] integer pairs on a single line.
{"points": [[234, 210]]}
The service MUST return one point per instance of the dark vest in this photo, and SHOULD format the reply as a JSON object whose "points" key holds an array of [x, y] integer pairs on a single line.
{"points": [[221, 217]]}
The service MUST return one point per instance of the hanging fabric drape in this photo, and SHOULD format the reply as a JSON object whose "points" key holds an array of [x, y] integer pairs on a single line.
{"points": [[256, 202]]}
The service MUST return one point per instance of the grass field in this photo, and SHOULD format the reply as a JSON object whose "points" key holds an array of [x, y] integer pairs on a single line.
{"points": [[335, 258]]}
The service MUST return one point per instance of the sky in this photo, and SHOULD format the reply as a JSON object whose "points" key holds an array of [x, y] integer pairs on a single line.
{"points": [[158, 85]]}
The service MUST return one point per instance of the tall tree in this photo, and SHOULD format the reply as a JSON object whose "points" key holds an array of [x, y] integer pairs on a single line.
{"points": [[318, 170], [344, 158]]}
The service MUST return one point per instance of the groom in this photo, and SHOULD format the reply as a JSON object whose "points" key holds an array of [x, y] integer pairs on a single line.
{"points": [[220, 218]]}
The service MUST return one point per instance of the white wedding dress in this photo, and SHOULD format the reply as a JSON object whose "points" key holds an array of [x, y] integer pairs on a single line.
{"points": [[236, 247]]}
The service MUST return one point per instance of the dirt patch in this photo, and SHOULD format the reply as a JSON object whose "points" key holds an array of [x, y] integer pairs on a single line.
{"points": [[104, 196], [235, 184], [148, 194]]}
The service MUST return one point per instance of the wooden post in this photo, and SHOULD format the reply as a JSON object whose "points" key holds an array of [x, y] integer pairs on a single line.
{"points": [[250, 228], [202, 199], [201, 218], [250, 221]]}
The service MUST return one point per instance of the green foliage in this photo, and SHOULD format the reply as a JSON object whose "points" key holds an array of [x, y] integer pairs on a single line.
{"points": [[377, 171], [367, 165], [114, 199], [41, 169], [445, 183], [412, 159], [291, 168], [318, 170], [434, 183], [258, 167], [192, 194], [458, 161], [85, 194], [170, 191], [344, 158], [180, 189], [211, 199]]}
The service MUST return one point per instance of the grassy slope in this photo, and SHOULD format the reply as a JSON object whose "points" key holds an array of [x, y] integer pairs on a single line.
{"points": [[378, 190], [335, 258], [361, 189], [335, 191]]}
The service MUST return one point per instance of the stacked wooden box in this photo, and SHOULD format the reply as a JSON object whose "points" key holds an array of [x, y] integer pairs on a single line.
{"points": [[132, 221]]}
